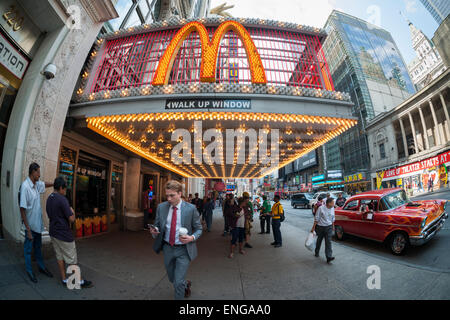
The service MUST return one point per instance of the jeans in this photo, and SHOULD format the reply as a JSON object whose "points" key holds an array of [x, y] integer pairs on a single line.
{"points": [[324, 232], [226, 227], [208, 219], [28, 245], [265, 224], [276, 224]]}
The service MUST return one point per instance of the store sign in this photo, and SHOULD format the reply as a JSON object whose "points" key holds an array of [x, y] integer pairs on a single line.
{"points": [[355, 177], [334, 174], [11, 59], [18, 25], [172, 104], [318, 178], [210, 52], [417, 166]]}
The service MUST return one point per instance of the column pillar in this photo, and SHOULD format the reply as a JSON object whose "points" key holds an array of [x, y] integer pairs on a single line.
{"points": [[444, 106], [427, 145], [413, 129], [439, 138], [405, 146], [132, 185]]}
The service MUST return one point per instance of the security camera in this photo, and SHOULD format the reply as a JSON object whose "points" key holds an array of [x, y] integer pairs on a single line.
{"points": [[49, 71]]}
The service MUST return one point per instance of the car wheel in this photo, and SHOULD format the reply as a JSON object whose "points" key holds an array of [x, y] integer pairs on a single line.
{"points": [[339, 233], [398, 243]]}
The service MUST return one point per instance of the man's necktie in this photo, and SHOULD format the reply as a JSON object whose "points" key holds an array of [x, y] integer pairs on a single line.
{"points": [[173, 227]]}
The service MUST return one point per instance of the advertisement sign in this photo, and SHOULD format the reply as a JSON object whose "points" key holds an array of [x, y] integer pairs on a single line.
{"points": [[307, 161]]}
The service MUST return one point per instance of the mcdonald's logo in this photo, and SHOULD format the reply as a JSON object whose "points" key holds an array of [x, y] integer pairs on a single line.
{"points": [[210, 51]]}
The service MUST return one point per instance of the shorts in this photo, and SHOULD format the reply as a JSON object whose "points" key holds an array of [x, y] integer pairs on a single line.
{"points": [[237, 233], [65, 251]]}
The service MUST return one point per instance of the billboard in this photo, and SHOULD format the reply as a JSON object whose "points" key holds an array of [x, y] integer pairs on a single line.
{"points": [[307, 161]]}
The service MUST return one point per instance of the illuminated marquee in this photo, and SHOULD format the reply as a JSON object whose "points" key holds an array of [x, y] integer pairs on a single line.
{"points": [[210, 51]]}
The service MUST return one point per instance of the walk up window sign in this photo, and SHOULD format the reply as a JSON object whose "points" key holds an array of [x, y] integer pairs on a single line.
{"points": [[208, 104]]}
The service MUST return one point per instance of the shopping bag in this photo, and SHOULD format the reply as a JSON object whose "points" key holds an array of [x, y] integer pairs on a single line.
{"points": [[310, 242]]}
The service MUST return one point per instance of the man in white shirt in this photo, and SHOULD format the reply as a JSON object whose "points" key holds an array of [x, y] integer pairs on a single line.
{"points": [[31, 212], [324, 227], [178, 248]]}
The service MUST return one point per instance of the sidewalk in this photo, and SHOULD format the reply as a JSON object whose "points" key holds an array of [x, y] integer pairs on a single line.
{"points": [[122, 265]]}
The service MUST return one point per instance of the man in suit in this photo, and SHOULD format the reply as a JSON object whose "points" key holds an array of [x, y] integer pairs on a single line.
{"points": [[179, 250]]}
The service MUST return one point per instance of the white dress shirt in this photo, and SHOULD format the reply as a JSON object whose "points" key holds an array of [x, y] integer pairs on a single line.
{"points": [[169, 224], [30, 200]]}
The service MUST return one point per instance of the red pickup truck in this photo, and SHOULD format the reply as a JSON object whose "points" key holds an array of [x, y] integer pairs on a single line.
{"points": [[388, 216]]}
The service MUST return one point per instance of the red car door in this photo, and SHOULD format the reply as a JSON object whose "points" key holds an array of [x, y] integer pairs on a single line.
{"points": [[349, 217]]}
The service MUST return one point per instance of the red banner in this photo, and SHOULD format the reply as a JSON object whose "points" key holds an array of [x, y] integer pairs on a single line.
{"points": [[418, 166]]}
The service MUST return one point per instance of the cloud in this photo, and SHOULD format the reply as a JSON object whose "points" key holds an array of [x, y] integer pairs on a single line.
{"points": [[306, 12], [410, 6]]}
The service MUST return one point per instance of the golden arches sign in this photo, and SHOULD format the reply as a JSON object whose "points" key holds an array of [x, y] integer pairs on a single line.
{"points": [[210, 51]]}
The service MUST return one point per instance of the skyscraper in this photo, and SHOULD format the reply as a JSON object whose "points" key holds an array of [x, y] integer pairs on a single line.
{"points": [[365, 62], [428, 64], [439, 9], [136, 12]]}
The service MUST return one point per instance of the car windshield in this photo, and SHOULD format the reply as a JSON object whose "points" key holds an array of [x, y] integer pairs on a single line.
{"points": [[308, 196], [394, 200]]}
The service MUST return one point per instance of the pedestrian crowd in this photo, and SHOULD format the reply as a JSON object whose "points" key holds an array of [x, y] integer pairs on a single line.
{"points": [[178, 224]]}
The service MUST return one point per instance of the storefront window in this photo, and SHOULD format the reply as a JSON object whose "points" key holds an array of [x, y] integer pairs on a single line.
{"points": [[91, 185]]}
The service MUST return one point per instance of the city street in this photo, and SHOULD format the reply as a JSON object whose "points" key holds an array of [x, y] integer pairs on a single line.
{"points": [[431, 256]]}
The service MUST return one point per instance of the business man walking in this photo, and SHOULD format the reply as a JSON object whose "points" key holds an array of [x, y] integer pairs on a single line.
{"points": [[179, 248]]}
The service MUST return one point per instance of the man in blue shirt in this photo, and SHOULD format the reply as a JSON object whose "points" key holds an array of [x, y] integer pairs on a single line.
{"points": [[31, 213], [61, 215]]}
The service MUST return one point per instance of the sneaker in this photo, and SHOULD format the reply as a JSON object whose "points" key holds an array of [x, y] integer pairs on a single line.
{"points": [[86, 284], [330, 259], [273, 243], [247, 245], [277, 245], [316, 255]]}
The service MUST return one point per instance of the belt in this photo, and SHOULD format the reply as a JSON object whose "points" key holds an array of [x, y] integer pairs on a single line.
{"points": [[175, 245]]}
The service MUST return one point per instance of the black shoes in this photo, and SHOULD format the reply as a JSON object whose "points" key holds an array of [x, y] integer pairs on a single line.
{"points": [[268, 232], [187, 291], [261, 232], [247, 245], [330, 259], [86, 284], [278, 245], [316, 255], [46, 272], [32, 277], [273, 243]]}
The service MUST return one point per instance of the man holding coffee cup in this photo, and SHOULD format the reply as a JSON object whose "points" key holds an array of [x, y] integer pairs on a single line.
{"points": [[177, 227]]}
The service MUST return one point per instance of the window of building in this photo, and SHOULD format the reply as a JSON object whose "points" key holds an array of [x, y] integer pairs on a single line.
{"points": [[382, 151]]}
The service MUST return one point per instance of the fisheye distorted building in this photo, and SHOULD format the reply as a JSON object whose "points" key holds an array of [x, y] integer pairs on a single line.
{"points": [[246, 96]]}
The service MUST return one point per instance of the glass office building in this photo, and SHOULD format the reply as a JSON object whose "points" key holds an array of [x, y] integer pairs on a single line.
{"points": [[439, 9], [136, 12], [365, 62]]}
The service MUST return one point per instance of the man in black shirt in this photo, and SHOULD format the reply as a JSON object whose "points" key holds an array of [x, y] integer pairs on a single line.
{"points": [[60, 216]]}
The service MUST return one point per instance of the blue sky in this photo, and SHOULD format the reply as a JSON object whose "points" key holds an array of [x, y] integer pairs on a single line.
{"points": [[384, 13]]}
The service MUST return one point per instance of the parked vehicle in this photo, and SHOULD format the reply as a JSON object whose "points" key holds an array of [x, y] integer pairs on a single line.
{"points": [[301, 200], [323, 194], [388, 216]]}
